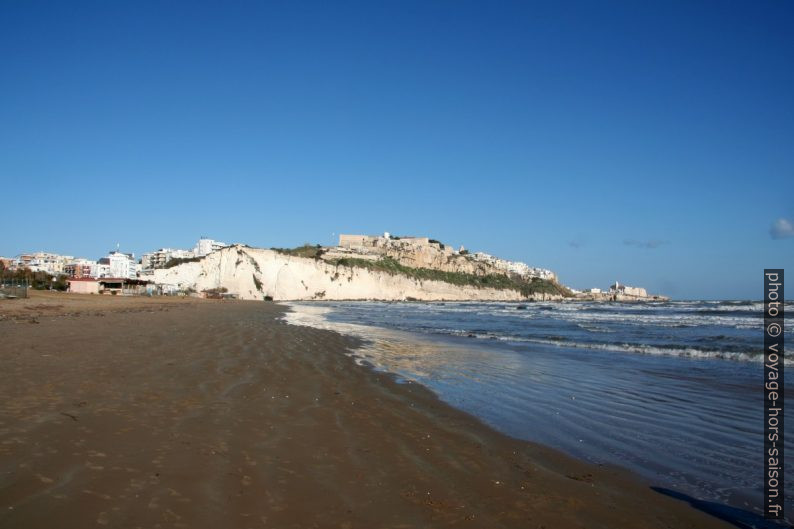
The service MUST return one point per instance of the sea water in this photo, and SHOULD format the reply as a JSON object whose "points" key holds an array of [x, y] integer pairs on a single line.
{"points": [[672, 391]]}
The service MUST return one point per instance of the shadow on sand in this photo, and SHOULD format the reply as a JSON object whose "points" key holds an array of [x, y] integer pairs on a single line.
{"points": [[738, 517]]}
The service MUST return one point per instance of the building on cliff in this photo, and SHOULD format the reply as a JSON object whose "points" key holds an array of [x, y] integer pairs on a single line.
{"points": [[617, 288], [515, 267], [374, 241], [423, 252], [356, 241], [206, 246], [159, 258]]}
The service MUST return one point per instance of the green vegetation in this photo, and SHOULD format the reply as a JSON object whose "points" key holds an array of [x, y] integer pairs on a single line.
{"points": [[35, 280], [241, 253], [307, 250], [257, 283], [497, 281], [175, 261]]}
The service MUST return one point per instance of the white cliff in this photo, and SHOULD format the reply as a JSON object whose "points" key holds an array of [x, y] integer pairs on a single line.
{"points": [[252, 273]]}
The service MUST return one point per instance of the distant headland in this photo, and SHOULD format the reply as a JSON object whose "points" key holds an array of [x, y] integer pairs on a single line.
{"points": [[361, 267], [371, 267]]}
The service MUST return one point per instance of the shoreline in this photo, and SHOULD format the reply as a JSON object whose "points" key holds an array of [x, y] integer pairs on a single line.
{"points": [[619, 406], [198, 413]]}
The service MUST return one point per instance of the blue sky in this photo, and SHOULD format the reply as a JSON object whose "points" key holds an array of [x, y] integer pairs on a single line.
{"points": [[651, 143]]}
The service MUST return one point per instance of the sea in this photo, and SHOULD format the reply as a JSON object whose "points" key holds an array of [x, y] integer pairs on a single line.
{"points": [[672, 391]]}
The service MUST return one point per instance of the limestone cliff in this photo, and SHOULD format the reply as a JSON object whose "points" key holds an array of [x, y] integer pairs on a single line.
{"points": [[422, 252], [251, 273]]}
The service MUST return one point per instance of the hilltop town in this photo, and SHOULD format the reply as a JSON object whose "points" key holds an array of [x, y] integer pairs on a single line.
{"points": [[383, 267]]}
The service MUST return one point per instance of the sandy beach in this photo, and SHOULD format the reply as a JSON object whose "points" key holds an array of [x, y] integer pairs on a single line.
{"points": [[165, 412]]}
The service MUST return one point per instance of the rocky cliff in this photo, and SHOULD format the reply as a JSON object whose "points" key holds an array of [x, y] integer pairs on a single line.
{"points": [[251, 273], [422, 252]]}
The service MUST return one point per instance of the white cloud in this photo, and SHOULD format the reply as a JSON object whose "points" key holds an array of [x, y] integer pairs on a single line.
{"points": [[782, 229]]}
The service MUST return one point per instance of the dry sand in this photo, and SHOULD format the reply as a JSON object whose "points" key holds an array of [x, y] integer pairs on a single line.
{"points": [[136, 412]]}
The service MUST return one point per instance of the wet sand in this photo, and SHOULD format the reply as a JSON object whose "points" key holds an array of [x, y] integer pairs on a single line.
{"points": [[137, 412]]}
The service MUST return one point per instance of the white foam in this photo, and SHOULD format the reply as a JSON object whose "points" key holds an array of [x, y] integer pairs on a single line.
{"points": [[687, 352], [314, 315]]}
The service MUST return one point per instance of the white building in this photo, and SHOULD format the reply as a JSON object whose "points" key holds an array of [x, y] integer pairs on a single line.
{"points": [[617, 288], [149, 260], [103, 267], [159, 258], [51, 263], [78, 268], [206, 246], [117, 264], [515, 267]]}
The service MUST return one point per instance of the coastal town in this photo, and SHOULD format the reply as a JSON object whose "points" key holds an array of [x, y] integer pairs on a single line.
{"points": [[173, 271], [117, 272]]}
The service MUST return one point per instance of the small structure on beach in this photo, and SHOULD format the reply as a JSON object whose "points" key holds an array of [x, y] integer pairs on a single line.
{"points": [[108, 285], [12, 289], [83, 285]]}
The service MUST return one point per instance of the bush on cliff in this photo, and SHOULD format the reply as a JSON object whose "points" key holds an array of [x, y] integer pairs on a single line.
{"points": [[176, 261], [502, 282], [307, 250]]}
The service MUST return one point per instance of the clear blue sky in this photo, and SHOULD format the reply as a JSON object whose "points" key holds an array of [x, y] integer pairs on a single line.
{"points": [[648, 142]]}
